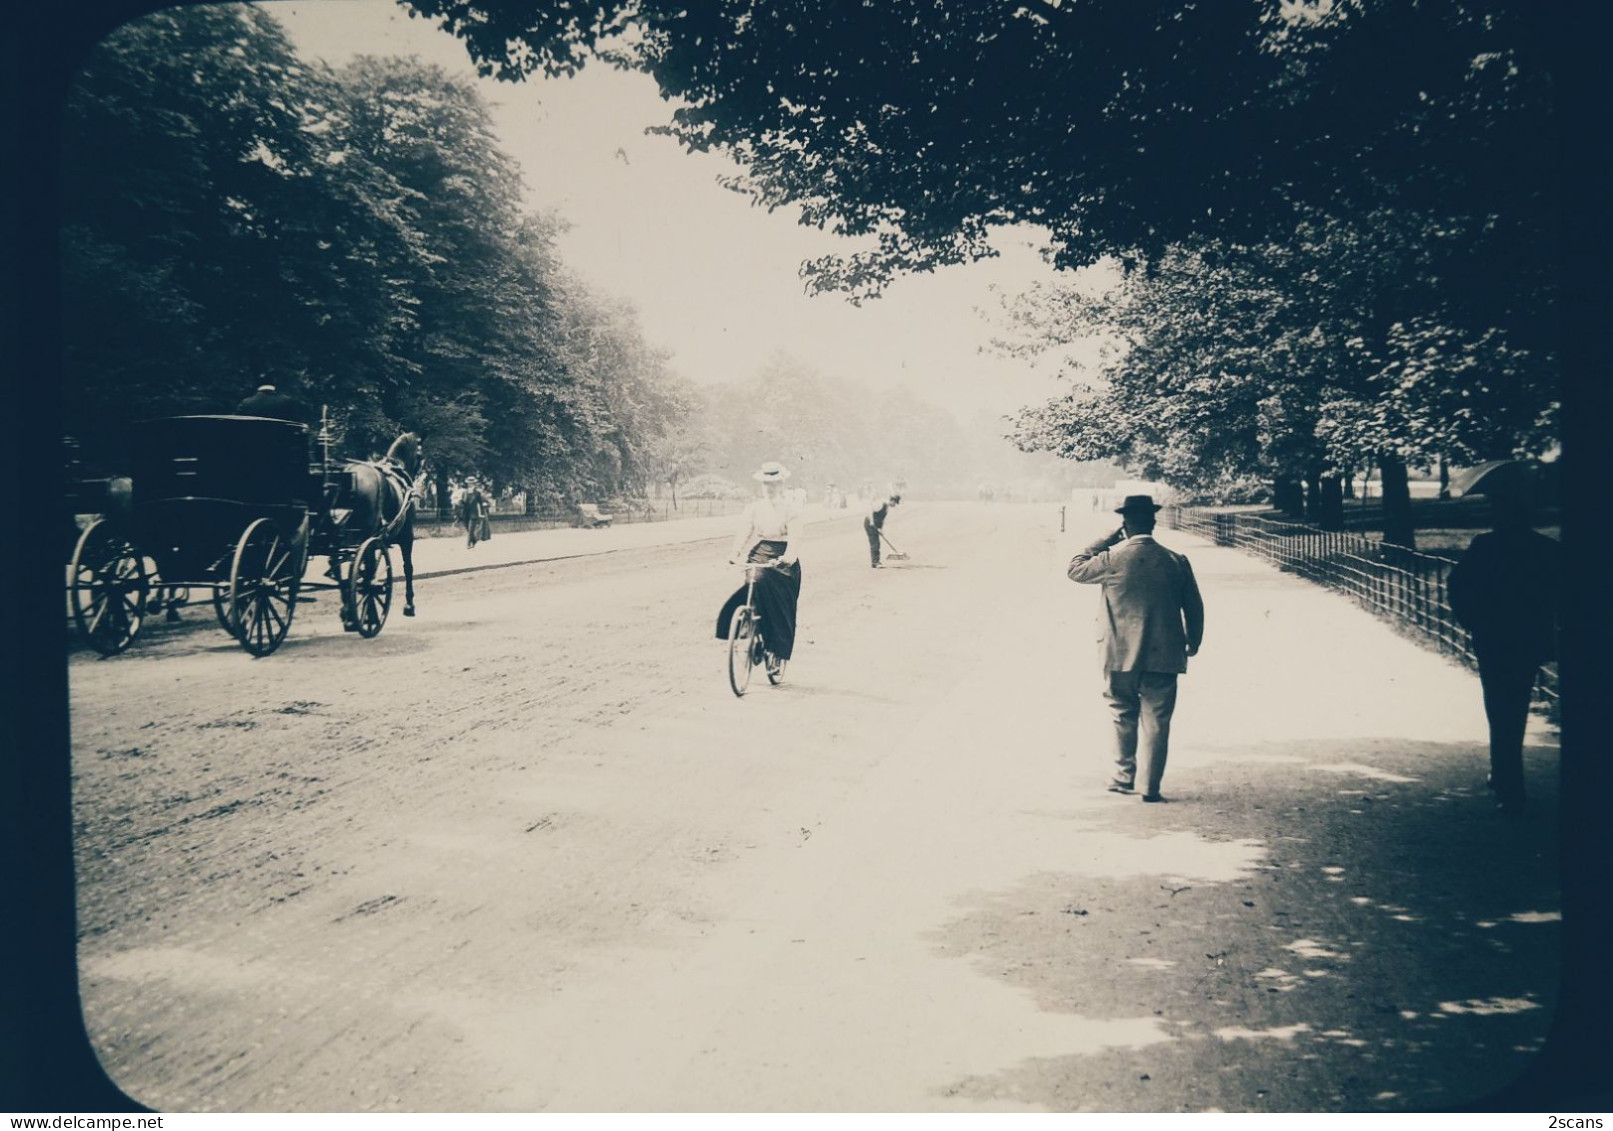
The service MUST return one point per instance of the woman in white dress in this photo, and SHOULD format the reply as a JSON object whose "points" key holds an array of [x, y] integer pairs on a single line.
{"points": [[770, 532]]}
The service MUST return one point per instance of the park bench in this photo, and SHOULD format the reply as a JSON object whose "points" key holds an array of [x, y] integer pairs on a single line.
{"points": [[591, 517]]}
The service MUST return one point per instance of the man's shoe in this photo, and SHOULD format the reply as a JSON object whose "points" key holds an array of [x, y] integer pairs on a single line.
{"points": [[1152, 797], [1117, 787]]}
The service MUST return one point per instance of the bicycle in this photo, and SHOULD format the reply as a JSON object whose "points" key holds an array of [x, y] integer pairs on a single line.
{"points": [[747, 645]]}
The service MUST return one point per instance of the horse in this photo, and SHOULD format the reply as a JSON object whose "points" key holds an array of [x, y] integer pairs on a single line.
{"points": [[385, 492]]}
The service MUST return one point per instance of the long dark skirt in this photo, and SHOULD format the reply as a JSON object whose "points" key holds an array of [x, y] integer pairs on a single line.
{"points": [[778, 591]]}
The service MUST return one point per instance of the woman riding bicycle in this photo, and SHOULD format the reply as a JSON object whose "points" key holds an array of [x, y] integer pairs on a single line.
{"points": [[770, 534]]}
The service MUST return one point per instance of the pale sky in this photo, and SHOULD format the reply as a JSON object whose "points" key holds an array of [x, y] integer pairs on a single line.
{"points": [[715, 280]]}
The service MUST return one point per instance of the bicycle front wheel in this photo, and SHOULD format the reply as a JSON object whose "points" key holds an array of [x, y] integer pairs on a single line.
{"points": [[741, 650]]}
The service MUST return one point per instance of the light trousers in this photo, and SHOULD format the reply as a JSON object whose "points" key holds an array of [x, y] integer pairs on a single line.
{"points": [[1142, 703]]}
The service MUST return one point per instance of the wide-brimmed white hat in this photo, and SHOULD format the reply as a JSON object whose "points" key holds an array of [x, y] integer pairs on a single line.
{"points": [[772, 473]]}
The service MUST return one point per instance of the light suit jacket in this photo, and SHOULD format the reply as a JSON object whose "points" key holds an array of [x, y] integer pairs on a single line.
{"points": [[1152, 613]]}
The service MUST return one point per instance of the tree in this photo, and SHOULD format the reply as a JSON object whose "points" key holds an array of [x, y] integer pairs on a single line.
{"points": [[1123, 127], [683, 450], [355, 236], [197, 242], [1207, 380], [453, 196], [1285, 361]]}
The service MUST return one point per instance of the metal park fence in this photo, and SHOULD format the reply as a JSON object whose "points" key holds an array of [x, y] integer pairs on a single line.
{"points": [[1401, 586]]}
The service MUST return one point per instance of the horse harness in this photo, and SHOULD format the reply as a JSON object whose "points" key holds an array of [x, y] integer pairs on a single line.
{"points": [[395, 475]]}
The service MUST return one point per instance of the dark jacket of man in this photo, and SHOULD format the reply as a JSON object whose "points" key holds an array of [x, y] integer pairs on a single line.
{"points": [[1504, 591], [1152, 617]]}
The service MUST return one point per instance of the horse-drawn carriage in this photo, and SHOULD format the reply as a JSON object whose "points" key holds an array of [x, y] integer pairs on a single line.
{"points": [[231, 504]]}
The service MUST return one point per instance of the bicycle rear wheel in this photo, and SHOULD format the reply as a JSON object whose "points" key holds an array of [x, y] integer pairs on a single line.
{"points": [[741, 649]]}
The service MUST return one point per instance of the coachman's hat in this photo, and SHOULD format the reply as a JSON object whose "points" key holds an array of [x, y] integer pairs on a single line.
{"points": [[1138, 503]]}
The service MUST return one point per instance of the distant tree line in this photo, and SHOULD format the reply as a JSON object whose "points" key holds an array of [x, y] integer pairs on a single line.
{"points": [[234, 214], [830, 431], [1335, 218]]}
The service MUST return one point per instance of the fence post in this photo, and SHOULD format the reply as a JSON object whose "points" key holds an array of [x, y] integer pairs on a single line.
{"points": [[1405, 591], [1417, 595], [1447, 630], [1422, 598]]}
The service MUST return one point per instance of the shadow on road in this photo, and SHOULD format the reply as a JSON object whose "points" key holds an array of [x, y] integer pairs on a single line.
{"points": [[1391, 943]]}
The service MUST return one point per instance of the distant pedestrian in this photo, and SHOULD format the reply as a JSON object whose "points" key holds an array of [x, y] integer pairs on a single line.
{"points": [[874, 523], [1151, 621], [474, 509], [1504, 591]]}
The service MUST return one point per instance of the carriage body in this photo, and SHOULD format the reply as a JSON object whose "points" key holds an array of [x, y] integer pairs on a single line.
{"points": [[200, 481], [230, 504], [335, 533]]}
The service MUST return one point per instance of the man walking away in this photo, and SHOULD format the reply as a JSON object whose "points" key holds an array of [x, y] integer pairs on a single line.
{"points": [[1151, 621], [1504, 591]]}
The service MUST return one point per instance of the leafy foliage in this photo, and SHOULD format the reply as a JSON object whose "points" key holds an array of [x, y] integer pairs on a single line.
{"points": [[1280, 362], [234, 214], [1369, 180], [1122, 126]]}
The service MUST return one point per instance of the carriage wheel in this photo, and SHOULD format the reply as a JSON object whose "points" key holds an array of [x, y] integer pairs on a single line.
{"points": [[108, 588], [741, 649], [221, 608], [263, 587], [369, 587]]}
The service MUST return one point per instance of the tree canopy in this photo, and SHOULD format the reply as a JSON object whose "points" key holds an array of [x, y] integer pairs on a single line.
{"points": [[234, 214], [1278, 363], [1358, 189], [1121, 126]]}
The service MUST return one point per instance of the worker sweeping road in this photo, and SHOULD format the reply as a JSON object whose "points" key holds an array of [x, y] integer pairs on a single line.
{"points": [[874, 524]]}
